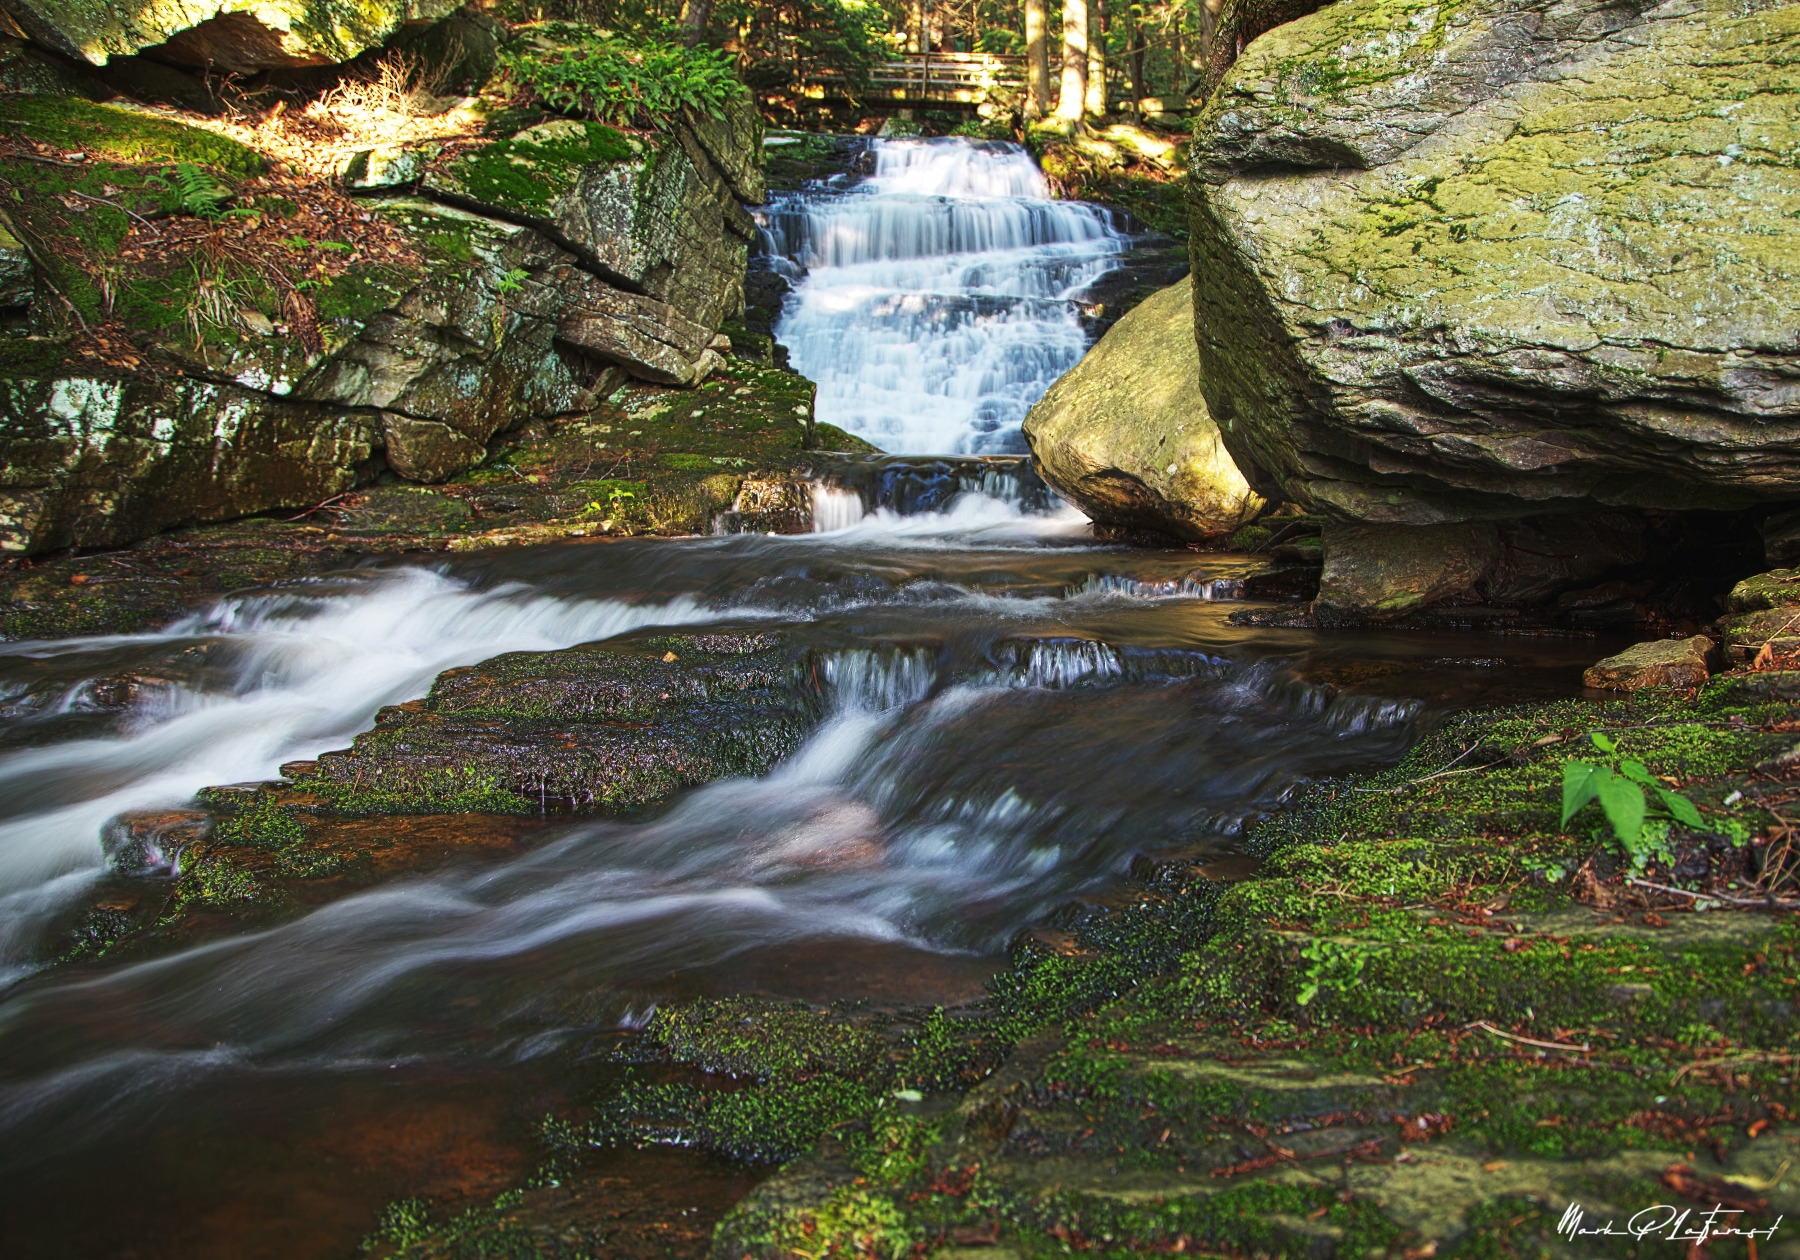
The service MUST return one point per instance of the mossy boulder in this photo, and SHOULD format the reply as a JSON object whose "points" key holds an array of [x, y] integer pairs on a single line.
{"points": [[234, 36], [1494, 258], [612, 725], [1126, 434]]}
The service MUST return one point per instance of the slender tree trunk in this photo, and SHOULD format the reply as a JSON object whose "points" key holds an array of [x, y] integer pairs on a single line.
{"points": [[695, 14], [1134, 52], [1074, 60], [1098, 24], [1037, 61], [1209, 27]]}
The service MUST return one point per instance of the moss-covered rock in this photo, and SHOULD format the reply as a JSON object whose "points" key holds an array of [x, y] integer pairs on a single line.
{"points": [[1491, 258], [1126, 434], [613, 725], [1431, 1021]]}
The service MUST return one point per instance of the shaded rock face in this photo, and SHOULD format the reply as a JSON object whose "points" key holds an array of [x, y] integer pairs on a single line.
{"points": [[516, 284], [1389, 571], [236, 36], [1505, 257], [1126, 435], [611, 725]]}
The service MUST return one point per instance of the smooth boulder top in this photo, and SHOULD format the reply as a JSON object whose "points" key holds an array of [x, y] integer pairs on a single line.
{"points": [[1658, 663], [1503, 257], [1126, 435]]}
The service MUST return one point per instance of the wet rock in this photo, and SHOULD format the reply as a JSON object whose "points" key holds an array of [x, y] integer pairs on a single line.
{"points": [[1390, 570], [612, 725], [147, 840], [1126, 435], [1660, 663], [96, 462], [214, 35], [769, 506], [1763, 611], [1439, 291]]}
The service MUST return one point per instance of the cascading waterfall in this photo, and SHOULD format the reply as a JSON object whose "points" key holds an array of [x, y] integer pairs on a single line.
{"points": [[937, 300]]}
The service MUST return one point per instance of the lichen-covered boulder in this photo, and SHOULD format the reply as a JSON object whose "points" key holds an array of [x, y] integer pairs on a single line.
{"points": [[1657, 663], [233, 36], [1502, 257], [1126, 435]]}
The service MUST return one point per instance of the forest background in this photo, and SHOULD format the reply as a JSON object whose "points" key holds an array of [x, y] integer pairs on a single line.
{"points": [[1078, 60]]}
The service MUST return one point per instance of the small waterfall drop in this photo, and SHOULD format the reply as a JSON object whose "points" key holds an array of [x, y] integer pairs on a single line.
{"points": [[935, 301]]}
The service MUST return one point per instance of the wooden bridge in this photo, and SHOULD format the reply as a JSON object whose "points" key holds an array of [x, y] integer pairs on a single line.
{"points": [[945, 78]]}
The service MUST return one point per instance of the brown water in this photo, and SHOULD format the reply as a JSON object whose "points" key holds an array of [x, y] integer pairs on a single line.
{"points": [[1019, 711]]}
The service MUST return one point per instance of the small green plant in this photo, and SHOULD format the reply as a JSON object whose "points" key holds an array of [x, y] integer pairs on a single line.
{"points": [[1333, 964], [512, 281], [201, 195], [1639, 808], [614, 80]]}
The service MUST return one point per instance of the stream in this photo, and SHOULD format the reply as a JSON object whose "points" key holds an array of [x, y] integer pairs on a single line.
{"points": [[1016, 712]]}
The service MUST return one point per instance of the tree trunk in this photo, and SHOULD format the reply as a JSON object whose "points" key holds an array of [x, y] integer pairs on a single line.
{"points": [[1037, 61], [1074, 61], [1134, 52], [1209, 26], [695, 14], [1096, 78]]}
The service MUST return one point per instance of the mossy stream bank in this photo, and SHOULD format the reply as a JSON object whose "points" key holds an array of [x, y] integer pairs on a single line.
{"points": [[1428, 1022]]}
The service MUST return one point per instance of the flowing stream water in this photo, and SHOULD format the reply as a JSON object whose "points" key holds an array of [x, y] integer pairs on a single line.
{"points": [[1018, 711]]}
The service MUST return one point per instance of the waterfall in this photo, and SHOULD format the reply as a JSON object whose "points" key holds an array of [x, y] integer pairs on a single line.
{"points": [[938, 299]]}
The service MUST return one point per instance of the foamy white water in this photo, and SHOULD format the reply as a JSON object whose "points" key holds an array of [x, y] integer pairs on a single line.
{"points": [[936, 300], [306, 672]]}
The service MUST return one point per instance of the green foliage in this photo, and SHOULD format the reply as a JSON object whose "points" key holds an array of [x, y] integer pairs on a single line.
{"points": [[200, 194], [644, 82], [264, 825], [1625, 798], [530, 171]]}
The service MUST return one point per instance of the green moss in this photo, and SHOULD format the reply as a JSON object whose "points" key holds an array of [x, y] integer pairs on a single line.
{"points": [[124, 136], [523, 174], [28, 358]]}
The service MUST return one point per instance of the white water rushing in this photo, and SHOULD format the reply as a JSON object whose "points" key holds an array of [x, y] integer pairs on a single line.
{"points": [[938, 299]]}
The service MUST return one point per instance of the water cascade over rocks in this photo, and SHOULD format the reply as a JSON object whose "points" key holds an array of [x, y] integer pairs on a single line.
{"points": [[936, 300]]}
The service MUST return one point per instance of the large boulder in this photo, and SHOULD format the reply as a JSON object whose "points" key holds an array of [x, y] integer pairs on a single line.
{"points": [[233, 36], [1126, 434], [1505, 257]]}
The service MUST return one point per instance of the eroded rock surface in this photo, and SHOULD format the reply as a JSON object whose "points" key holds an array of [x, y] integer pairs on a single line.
{"points": [[1484, 260], [1127, 436], [1659, 663]]}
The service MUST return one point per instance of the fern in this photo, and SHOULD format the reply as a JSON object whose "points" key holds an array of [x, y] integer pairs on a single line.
{"points": [[201, 195], [614, 80]]}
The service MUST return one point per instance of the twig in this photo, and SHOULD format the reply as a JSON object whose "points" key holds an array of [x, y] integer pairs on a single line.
{"points": [[1702, 1064], [1770, 902], [1438, 774], [116, 206], [1529, 1041], [315, 507], [37, 157]]}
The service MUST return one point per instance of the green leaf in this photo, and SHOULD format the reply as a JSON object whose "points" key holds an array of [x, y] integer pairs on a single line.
{"points": [[1581, 784], [1307, 993], [1624, 805], [1635, 771], [1603, 743], [1681, 808]]}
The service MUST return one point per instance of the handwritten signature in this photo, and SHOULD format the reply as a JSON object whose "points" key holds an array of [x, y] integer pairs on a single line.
{"points": [[1666, 1222]]}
